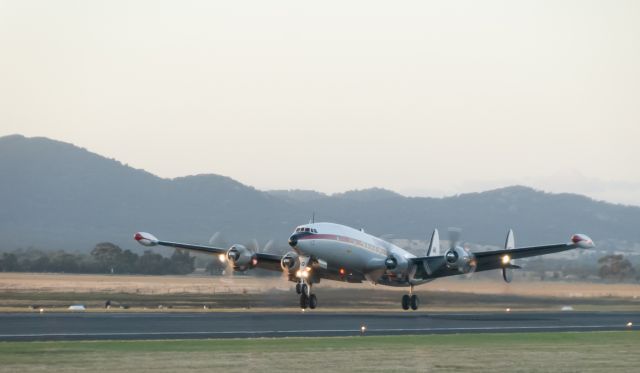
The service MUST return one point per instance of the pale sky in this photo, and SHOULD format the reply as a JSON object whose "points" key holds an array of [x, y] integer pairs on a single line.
{"points": [[421, 97]]}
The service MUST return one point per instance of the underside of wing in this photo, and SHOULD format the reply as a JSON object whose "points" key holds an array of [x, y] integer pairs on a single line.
{"points": [[241, 257], [464, 261]]}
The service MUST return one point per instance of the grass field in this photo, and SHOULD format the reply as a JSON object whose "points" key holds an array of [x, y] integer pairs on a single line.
{"points": [[521, 352]]}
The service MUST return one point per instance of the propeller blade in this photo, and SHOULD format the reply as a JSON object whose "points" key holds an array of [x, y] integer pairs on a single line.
{"points": [[473, 265], [267, 247], [217, 240], [253, 246], [454, 236], [214, 238]]}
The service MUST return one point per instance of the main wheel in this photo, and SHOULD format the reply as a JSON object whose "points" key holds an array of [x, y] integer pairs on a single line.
{"points": [[304, 301], [313, 301], [405, 302], [298, 289], [304, 289], [414, 302]]}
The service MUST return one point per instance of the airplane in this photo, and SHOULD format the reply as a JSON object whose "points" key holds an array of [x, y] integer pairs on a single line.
{"points": [[337, 252]]}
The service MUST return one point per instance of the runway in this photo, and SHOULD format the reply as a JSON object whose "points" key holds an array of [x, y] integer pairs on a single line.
{"points": [[129, 326]]}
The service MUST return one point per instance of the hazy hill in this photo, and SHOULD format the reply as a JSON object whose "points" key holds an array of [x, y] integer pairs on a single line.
{"points": [[56, 195]]}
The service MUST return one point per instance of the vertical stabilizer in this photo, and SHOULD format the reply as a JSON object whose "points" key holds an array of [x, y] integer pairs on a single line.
{"points": [[510, 243], [434, 244]]}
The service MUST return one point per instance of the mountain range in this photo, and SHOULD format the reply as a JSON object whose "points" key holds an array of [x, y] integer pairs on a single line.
{"points": [[55, 195]]}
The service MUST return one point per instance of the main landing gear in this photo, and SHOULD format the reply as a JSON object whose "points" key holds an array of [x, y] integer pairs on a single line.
{"points": [[307, 299], [410, 300]]}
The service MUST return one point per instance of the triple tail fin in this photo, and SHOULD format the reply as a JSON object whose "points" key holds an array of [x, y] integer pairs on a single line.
{"points": [[434, 244]]}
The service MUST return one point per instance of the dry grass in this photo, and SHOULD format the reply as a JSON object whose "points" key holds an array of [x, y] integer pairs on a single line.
{"points": [[18, 291], [63, 283]]}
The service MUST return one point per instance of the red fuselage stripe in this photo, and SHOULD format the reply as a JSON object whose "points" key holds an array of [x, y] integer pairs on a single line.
{"points": [[349, 240]]}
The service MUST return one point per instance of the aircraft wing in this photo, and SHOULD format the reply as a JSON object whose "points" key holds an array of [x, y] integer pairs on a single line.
{"points": [[263, 260], [431, 267]]}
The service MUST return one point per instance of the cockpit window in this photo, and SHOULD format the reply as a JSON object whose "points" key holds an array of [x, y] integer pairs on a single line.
{"points": [[307, 230]]}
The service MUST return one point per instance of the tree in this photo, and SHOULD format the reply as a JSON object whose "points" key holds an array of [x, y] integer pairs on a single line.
{"points": [[107, 255], [152, 264], [127, 261], [615, 267], [182, 263], [64, 262], [9, 262]]}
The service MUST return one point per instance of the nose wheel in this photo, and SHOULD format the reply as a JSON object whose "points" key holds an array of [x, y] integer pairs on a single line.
{"points": [[307, 299]]}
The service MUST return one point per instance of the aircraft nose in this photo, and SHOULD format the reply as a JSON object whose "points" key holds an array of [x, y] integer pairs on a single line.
{"points": [[293, 240]]}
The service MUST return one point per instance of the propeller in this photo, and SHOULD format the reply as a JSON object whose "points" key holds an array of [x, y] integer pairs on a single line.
{"points": [[455, 235], [254, 246], [217, 240]]}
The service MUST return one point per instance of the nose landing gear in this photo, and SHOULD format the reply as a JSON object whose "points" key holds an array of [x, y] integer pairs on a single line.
{"points": [[303, 285], [307, 299]]}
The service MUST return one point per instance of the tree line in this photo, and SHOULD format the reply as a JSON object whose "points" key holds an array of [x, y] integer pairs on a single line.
{"points": [[104, 258]]}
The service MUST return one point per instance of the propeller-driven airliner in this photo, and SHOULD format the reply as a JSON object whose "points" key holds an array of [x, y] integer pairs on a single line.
{"points": [[340, 253]]}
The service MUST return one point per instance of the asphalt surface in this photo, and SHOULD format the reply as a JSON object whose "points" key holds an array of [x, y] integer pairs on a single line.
{"points": [[127, 326]]}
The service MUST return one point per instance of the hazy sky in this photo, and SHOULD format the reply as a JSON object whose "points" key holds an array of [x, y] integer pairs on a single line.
{"points": [[422, 97]]}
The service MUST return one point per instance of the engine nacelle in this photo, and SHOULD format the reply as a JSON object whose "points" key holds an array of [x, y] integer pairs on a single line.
{"points": [[461, 259], [290, 262], [396, 264], [241, 258], [391, 263]]}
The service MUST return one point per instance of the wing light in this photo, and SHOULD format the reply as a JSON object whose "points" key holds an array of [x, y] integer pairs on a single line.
{"points": [[506, 259]]}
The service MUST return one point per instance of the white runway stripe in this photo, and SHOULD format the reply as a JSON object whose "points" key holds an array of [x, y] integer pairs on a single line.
{"points": [[327, 331]]}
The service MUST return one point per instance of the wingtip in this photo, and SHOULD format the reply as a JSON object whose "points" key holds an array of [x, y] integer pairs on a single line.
{"points": [[145, 239], [582, 240]]}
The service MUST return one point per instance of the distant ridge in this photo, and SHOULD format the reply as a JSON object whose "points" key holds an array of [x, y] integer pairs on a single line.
{"points": [[55, 195]]}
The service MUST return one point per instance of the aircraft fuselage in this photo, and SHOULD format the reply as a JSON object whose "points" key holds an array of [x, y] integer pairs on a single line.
{"points": [[354, 253]]}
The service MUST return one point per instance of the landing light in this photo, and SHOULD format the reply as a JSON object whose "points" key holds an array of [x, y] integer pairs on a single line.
{"points": [[363, 328], [222, 258], [341, 271], [506, 259], [303, 273], [629, 324]]}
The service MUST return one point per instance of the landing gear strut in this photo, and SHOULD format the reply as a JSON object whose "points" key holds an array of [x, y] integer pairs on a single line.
{"points": [[307, 299], [410, 300]]}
